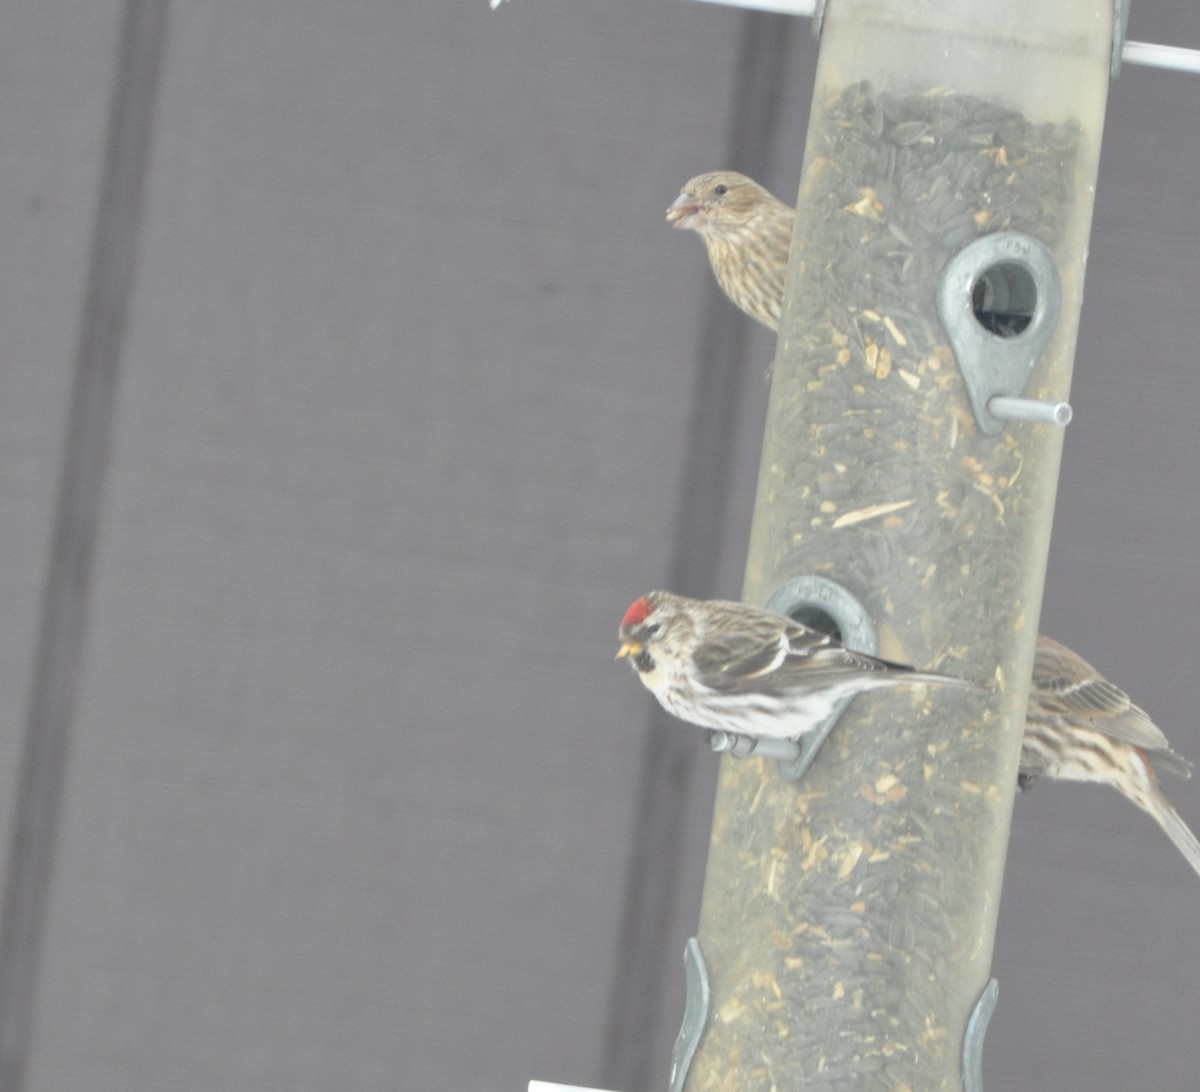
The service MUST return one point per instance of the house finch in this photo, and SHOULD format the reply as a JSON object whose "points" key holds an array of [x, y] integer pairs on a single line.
{"points": [[1079, 726], [745, 670], [748, 234]]}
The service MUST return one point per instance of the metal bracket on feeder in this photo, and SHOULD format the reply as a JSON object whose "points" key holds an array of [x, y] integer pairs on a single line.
{"points": [[818, 17], [998, 300], [695, 1014], [972, 1055], [1120, 22], [825, 605]]}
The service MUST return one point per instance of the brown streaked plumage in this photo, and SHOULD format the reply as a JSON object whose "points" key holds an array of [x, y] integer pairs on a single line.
{"points": [[1081, 727], [747, 233], [738, 668], [1078, 726]]}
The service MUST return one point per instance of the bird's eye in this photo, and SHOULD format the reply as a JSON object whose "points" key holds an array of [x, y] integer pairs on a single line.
{"points": [[653, 628], [721, 190]]}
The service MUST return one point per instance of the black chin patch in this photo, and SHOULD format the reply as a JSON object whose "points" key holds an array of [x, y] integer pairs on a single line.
{"points": [[644, 661]]}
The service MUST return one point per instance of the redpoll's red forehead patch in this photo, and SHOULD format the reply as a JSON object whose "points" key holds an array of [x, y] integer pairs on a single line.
{"points": [[637, 613]]}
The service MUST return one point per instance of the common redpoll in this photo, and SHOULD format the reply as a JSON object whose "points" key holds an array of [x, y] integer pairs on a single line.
{"points": [[1080, 727], [748, 234], [736, 668]]}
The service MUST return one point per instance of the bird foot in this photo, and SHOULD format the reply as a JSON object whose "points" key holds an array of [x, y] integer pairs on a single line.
{"points": [[739, 746]]}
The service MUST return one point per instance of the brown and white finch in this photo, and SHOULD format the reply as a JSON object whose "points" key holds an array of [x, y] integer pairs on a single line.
{"points": [[1079, 726], [748, 234], [737, 668]]}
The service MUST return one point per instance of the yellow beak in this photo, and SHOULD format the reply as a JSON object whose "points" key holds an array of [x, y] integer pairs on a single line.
{"points": [[630, 648]]}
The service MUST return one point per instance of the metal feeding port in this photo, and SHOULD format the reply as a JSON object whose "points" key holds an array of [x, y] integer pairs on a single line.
{"points": [[998, 300], [820, 604], [823, 605]]}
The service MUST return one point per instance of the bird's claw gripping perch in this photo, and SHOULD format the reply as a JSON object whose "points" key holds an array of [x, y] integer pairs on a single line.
{"points": [[794, 756], [739, 746]]}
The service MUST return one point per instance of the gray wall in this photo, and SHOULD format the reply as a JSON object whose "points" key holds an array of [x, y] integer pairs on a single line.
{"points": [[339, 787]]}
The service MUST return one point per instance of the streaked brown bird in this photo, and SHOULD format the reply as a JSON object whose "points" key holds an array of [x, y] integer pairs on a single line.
{"points": [[748, 234], [742, 669], [1078, 726], [1081, 727]]}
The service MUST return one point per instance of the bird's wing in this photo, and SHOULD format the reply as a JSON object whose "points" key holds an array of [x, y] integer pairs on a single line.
{"points": [[830, 665], [1068, 686], [733, 660], [780, 659]]}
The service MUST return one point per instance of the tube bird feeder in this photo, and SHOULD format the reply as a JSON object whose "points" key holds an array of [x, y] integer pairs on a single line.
{"points": [[910, 461]]}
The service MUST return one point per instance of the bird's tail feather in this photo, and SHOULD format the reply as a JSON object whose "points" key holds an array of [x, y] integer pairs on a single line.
{"points": [[943, 680], [1176, 829]]}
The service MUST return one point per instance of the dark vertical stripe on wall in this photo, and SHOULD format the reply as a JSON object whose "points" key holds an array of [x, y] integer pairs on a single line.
{"points": [[58, 663], [670, 756]]}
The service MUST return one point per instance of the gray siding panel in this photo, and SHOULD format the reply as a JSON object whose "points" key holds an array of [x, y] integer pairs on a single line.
{"points": [[401, 427]]}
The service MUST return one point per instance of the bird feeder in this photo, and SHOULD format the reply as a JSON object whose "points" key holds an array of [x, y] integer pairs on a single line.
{"points": [[910, 461]]}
